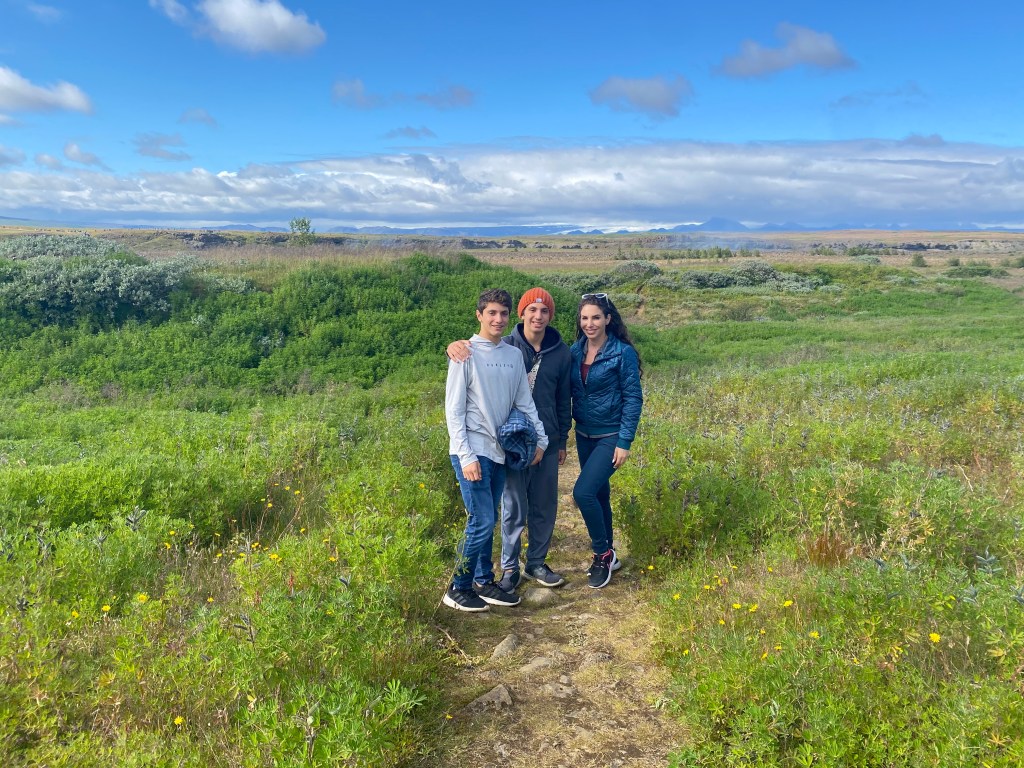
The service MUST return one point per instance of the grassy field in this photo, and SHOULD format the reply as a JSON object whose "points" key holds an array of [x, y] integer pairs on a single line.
{"points": [[226, 512]]}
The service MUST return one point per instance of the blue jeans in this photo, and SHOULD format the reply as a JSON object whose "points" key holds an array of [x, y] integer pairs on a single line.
{"points": [[593, 492], [481, 498]]}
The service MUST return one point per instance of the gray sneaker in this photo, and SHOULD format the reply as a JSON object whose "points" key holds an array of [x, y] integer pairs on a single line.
{"points": [[510, 580], [544, 575]]}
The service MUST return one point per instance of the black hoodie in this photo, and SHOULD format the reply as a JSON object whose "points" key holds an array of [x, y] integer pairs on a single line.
{"points": [[552, 392]]}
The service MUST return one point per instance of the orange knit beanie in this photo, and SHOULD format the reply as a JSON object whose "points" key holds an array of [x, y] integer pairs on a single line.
{"points": [[536, 295]]}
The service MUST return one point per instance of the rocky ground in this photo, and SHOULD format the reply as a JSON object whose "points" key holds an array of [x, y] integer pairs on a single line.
{"points": [[566, 679]]}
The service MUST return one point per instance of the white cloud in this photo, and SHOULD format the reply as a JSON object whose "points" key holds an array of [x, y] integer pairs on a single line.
{"points": [[907, 95], [353, 93], [76, 154], [7, 120], [19, 95], [11, 156], [260, 26], [656, 97], [156, 145], [800, 46], [49, 161], [914, 181], [45, 13], [409, 132], [452, 97], [172, 9], [197, 115]]}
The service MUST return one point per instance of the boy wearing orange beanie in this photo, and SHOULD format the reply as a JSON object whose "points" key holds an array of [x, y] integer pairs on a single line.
{"points": [[530, 499]]}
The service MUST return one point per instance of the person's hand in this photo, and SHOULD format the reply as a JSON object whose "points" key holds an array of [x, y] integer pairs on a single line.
{"points": [[459, 351], [561, 456], [472, 472], [538, 454], [619, 457]]}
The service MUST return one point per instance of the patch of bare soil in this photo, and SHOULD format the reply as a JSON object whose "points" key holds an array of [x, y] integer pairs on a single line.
{"points": [[566, 679]]}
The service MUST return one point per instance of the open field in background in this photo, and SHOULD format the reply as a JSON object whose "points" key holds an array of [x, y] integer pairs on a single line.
{"points": [[226, 513]]}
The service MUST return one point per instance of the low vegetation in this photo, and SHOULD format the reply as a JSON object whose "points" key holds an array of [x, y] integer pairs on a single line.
{"points": [[226, 512]]}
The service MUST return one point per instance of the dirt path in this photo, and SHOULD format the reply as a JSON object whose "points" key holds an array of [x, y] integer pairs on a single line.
{"points": [[579, 687]]}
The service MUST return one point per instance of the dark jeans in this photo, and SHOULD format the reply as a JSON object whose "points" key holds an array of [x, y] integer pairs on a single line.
{"points": [[481, 499], [592, 491]]}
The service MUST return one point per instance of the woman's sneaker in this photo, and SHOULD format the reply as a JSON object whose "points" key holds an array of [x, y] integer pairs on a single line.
{"points": [[464, 600], [495, 595], [616, 563], [544, 575], [601, 570]]}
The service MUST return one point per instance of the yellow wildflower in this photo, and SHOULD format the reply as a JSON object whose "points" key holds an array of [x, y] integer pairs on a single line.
{"points": [[179, 720], [737, 606], [934, 637], [676, 596], [787, 604], [752, 608], [105, 609], [142, 597], [814, 633], [274, 556]]}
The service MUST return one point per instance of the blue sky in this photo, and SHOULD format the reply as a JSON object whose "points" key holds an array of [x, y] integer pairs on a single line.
{"points": [[596, 114]]}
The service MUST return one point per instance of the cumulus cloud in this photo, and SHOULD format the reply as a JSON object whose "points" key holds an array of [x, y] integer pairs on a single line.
{"points": [[408, 132], [156, 145], [19, 95], [197, 115], [800, 46], [656, 97], [255, 26], [353, 93], [260, 26], [49, 162], [911, 182], [76, 154], [452, 97], [45, 13], [11, 156]]}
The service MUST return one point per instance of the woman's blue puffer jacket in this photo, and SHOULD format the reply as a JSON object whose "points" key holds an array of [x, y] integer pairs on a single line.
{"points": [[611, 400]]}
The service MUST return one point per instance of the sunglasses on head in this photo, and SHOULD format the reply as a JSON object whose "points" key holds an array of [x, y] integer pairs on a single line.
{"points": [[599, 296]]}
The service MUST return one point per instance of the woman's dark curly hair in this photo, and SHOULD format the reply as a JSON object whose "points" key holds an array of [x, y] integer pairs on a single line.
{"points": [[616, 327]]}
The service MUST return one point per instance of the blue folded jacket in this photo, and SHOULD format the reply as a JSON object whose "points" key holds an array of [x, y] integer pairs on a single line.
{"points": [[518, 439]]}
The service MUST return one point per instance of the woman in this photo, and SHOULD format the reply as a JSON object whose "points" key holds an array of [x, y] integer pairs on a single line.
{"points": [[606, 404]]}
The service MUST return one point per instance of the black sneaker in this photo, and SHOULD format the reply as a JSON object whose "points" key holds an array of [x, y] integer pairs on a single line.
{"points": [[510, 580], [495, 595], [601, 570], [544, 575], [616, 563], [464, 600]]}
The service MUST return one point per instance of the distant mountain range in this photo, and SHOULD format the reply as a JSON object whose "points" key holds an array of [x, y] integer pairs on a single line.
{"points": [[714, 224]]}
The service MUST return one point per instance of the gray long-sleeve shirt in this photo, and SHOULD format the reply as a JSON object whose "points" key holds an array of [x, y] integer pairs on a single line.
{"points": [[479, 395]]}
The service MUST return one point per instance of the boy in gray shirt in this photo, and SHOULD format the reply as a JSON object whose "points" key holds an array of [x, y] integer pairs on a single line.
{"points": [[479, 395]]}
